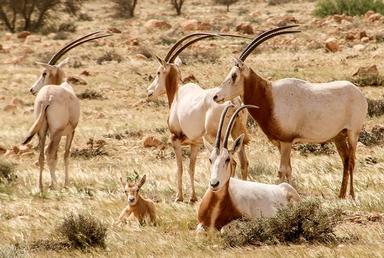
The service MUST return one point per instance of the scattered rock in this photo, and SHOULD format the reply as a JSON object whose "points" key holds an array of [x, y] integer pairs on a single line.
{"points": [[17, 102], [151, 141], [364, 39], [114, 30], [154, 24], [76, 80], [2, 150], [85, 73], [190, 25], [350, 36], [373, 17], [9, 108], [359, 47], [140, 57], [23, 34], [32, 39], [245, 28], [332, 45], [286, 20], [190, 78], [364, 71]]}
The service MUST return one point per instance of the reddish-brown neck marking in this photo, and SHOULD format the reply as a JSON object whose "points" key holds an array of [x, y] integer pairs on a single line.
{"points": [[258, 91], [172, 83], [217, 206]]}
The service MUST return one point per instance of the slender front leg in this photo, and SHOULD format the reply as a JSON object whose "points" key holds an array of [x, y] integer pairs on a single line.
{"points": [[67, 152], [243, 163], [179, 161], [285, 171], [42, 137], [52, 149], [352, 142], [192, 165]]}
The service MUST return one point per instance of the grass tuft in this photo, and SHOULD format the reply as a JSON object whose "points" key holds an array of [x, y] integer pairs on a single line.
{"points": [[83, 231], [90, 94], [7, 172], [316, 149], [304, 222], [375, 107], [349, 7], [374, 137]]}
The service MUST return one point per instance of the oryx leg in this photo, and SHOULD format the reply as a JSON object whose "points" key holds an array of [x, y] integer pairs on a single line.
{"points": [[352, 142], [285, 171], [243, 163], [42, 137], [343, 150], [68, 143], [176, 143], [52, 149], [192, 165]]}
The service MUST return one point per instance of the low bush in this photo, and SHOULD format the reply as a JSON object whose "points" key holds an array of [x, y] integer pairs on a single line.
{"points": [[7, 172], [304, 222], [375, 107], [316, 149], [108, 57], [349, 7], [125, 8]]}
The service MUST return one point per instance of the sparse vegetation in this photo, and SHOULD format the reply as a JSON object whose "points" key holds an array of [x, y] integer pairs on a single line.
{"points": [[226, 2], [374, 137], [368, 80], [316, 149], [83, 231], [90, 94], [348, 7], [32, 15], [177, 4], [305, 222], [125, 8], [108, 57], [94, 149], [375, 107], [7, 172]]}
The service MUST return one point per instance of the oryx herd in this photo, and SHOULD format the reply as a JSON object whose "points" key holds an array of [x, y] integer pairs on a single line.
{"points": [[288, 111]]}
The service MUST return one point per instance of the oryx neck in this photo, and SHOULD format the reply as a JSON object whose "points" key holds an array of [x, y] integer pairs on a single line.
{"points": [[172, 84]]}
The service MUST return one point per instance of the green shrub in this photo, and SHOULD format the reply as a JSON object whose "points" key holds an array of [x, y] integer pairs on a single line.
{"points": [[306, 221], [349, 7], [83, 231]]}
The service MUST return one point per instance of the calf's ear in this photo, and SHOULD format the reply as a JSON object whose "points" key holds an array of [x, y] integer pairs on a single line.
{"points": [[142, 181]]}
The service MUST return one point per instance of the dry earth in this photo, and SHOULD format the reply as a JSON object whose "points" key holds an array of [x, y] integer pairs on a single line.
{"points": [[124, 113]]}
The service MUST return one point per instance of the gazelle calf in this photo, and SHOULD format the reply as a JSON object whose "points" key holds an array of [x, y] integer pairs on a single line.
{"points": [[228, 198], [293, 110], [193, 114], [57, 110], [141, 208]]}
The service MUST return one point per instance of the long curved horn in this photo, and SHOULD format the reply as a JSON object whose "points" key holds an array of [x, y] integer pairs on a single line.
{"points": [[220, 127], [75, 43], [204, 35], [232, 122], [262, 35], [253, 47]]}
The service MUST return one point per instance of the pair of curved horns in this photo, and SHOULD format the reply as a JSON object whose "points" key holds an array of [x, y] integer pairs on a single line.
{"points": [[265, 36], [75, 43], [173, 53], [230, 124]]}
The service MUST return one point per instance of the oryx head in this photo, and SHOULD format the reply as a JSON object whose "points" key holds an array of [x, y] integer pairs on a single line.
{"points": [[54, 74], [221, 157], [131, 189], [168, 71], [233, 84]]}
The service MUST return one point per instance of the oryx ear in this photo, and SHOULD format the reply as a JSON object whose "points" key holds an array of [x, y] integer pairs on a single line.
{"points": [[207, 145], [63, 63], [142, 181], [238, 143], [161, 61], [47, 66], [238, 62]]}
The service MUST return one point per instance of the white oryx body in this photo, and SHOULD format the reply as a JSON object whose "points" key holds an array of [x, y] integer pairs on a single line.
{"points": [[193, 115], [228, 198], [57, 111], [293, 110]]}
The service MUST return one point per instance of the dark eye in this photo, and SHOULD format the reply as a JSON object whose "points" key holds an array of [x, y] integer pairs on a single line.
{"points": [[210, 160], [227, 160], [158, 73], [234, 76], [44, 74], [126, 192]]}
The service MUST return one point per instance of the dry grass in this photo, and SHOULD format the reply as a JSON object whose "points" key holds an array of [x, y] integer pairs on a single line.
{"points": [[26, 216]]}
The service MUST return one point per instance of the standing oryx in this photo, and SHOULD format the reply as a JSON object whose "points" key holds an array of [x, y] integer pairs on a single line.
{"points": [[57, 110], [293, 110], [229, 198], [193, 114]]}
